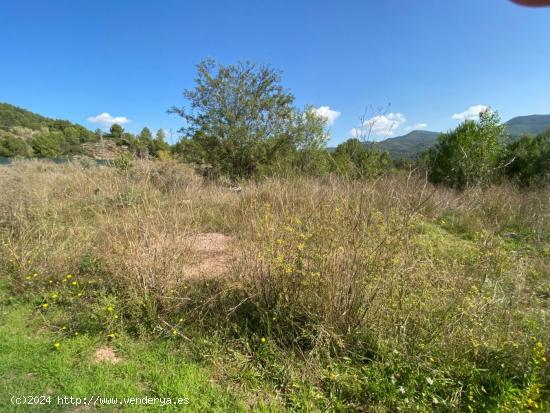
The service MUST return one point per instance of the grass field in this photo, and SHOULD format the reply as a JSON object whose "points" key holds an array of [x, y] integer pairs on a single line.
{"points": [[31, 365], [290, 294]]}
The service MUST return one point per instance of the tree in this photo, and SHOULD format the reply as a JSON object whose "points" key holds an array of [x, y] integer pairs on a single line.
{"points": [[144, 143], [240, 119], [310, 139], [160, 147], [527, 160], [468, 155], [115, 132], [360, 159], [47, 145], [13, 146]]}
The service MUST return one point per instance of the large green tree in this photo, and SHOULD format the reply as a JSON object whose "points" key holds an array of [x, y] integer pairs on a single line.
{"points": [[468, 155], [240, 119]]}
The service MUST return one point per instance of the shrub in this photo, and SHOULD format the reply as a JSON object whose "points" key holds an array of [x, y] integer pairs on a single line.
{"points": [[527, 160], [468, 155], [11, 146], [360, 159], [123, 161]]}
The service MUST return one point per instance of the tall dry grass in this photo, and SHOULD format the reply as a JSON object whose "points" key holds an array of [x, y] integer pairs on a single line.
{"points": [[328, 267]]}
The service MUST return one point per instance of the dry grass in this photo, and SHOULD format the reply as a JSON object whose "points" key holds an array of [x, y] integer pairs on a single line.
{"points": [[328, 266]]}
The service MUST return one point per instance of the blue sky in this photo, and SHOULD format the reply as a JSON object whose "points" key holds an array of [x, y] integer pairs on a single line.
{"points": [[431, 59]]}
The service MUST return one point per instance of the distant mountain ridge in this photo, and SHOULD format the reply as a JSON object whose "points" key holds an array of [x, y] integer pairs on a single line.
{"points": [[414, 143], [531, 124], [406, 146]]}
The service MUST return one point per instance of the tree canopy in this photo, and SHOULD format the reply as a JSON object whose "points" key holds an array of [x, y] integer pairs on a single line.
{"points": [[240, 120], [468, 155], [527, 160]]}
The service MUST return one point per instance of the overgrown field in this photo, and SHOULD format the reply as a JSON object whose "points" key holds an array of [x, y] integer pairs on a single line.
{"points": [[322, 294]]}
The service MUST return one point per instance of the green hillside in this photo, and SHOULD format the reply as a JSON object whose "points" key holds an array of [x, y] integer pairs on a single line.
{"points": [[24, 133], [409, 145], [528, 125]]}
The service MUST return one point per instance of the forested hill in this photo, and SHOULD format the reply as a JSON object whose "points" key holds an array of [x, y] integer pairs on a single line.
{"points": [[24, 133], [528, 125], [15, 117], [409, 145], [27, 134]]}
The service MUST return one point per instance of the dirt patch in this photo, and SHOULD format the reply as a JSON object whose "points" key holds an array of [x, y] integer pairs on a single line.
{"points": [[105, 355], [211, 254]]}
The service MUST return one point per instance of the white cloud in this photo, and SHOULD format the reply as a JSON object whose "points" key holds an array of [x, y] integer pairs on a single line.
{"points": [[471, 113], [420, 126], [327, 113], [106, 119], [416, 126], [381, 125]]}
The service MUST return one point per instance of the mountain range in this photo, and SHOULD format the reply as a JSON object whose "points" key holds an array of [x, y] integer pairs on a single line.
{"points": [[417, 141]]}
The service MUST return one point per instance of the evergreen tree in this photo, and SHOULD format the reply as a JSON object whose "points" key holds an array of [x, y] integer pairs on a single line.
{"points": [[144, 143], [160, 147]]}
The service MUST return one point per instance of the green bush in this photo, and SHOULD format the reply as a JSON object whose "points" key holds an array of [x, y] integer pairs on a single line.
{"points": [[47, 145], [527, 160], [13, 146], [358, 159], [468, 155]]}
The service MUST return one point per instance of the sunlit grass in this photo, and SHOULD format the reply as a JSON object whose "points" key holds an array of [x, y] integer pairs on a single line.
{"points": [[341, 295]]}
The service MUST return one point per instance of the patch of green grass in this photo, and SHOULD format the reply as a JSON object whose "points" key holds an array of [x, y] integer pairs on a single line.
{"points": [[30, 364]]}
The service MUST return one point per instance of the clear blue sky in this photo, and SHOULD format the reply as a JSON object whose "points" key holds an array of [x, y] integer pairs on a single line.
{"points": [[430, 58]]}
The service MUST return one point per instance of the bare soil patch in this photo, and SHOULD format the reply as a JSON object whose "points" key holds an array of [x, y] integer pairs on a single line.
{"points": [[105, 355], [211, 254]]}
